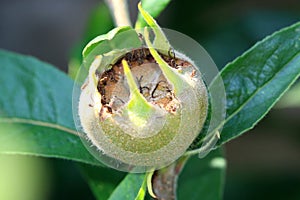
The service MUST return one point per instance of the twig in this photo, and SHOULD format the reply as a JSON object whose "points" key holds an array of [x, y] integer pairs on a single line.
{"points": [[164, 181], [119, 10]]}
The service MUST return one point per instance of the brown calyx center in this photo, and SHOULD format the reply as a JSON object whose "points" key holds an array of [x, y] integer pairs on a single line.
{"points": [[150, 80]]}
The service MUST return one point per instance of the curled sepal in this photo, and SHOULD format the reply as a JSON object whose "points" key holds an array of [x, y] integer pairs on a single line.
{"points": [[102, 39], [173, 75], [160, 41], [118, 38]]}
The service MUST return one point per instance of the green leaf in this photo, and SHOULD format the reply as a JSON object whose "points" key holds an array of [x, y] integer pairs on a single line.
{"points": [[153, 7], [36, 110], [99, 22], [133, 187], [255, 81], [203, 178], [102, 181]]}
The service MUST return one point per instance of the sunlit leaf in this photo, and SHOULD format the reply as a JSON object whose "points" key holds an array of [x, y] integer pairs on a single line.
{"points": [[255, 81], [36, 110]]}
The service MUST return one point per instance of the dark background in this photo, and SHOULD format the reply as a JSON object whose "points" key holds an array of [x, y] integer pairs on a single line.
{"points": [[264, 163]]}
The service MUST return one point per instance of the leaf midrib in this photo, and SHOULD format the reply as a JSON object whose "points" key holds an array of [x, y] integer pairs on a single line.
{"points": [[254, 94], [260, 88], [39, 123], [195, 151]]}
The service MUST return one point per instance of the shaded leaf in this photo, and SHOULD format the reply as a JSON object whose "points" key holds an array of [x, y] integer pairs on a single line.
{"points": [[133, 187], [102, 181], [153, 7], [36, 110], [160, 41], [203, 178], [99, 22]]}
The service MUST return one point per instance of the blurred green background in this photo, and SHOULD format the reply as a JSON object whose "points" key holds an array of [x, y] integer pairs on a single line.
{"points": [[262, 164]]}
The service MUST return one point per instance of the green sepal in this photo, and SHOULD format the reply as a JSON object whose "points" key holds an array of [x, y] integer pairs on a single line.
{"points": [[120, 38], [149, 184], [173, 77], [160, 41], [102, 38], [138, 109]]}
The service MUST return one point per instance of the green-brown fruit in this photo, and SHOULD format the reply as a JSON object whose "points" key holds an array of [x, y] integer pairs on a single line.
{"points": [[146, 115], [143, 108]]}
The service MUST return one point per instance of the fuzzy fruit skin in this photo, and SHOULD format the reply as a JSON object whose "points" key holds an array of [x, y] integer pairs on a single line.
{"points": [[157, 150]]}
